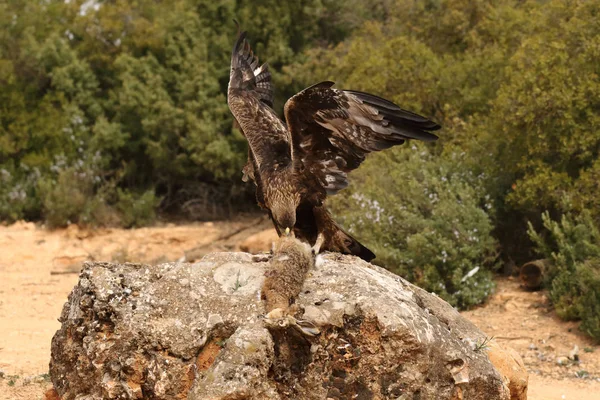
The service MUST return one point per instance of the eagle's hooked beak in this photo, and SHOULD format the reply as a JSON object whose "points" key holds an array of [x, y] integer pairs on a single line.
{"points": [[288, 232]]}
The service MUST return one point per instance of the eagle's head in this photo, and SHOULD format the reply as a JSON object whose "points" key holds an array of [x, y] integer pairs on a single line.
{"points": [[284, 214]]}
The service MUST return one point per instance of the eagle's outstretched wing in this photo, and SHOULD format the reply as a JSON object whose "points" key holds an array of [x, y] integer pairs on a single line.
{"points": [[250, 98], [333, 130]]}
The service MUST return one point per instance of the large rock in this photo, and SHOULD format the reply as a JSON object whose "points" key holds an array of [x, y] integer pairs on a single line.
{"points": [[177, 331]]}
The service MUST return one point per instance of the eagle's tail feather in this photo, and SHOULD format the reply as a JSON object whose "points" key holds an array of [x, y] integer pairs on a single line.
{"points": [[351, 245]]}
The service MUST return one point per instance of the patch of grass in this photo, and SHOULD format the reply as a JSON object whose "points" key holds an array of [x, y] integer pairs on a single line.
{"points": [[483, 345], [588, 349], [12, 379], [238, 282], [582, 374]]}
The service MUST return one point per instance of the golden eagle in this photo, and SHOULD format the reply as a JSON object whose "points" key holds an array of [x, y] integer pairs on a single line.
{"points": [[326, 134]]}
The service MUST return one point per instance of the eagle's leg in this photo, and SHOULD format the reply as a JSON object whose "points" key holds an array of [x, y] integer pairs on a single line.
{"points": [[318, 243], [336, 239]]}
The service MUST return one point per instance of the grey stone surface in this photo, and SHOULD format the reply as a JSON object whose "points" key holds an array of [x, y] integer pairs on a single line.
{"points": [[195, 331]]}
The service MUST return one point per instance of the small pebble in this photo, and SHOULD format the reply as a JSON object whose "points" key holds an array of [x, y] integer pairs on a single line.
{"points": [[562, 360]]}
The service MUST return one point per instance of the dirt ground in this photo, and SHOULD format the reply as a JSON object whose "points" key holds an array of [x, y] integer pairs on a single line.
{"points": [[39, 268]]}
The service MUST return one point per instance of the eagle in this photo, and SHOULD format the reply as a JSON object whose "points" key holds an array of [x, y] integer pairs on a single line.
{"points": [[295, 164]]}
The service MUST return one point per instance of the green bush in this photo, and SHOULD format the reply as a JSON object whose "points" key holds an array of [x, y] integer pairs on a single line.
{"points": [[77, 193], [425, 218], [573, 246], [18, 198], [589, 280], [65, 199], [137, 209]]}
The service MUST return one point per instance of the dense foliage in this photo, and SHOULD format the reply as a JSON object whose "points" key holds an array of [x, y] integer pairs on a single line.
{"points": [[572, 245], [424, 221], [111, 111]]}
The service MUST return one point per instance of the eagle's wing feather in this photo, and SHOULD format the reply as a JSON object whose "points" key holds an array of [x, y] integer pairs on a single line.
{"points": [[247, 75], [333, 130]]}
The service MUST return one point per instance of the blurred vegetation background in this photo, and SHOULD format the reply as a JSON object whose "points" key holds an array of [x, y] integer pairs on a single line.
{"points": [[114, 112]]}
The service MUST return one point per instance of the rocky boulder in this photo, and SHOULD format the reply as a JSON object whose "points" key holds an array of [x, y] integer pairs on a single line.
{"points": [[195, 331]]}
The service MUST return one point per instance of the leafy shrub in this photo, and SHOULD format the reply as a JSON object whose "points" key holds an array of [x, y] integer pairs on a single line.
{"points": [[589, 280], [65, 199], [137, 209], [425, 220], [77, 193], [573, 246], [18, 197]]}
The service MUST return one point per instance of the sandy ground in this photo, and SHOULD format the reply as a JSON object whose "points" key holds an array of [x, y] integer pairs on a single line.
{"points": [[39, 268]]}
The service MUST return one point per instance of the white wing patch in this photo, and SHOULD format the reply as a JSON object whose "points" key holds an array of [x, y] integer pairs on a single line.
{"points": [[334, 178]]}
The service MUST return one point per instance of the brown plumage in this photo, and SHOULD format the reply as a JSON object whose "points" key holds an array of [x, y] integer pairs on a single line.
{"points": [[329, 132]]}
